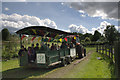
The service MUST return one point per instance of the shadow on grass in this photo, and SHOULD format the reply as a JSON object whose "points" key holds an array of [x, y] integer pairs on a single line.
{"points": [[111, 65], [23, 73]]}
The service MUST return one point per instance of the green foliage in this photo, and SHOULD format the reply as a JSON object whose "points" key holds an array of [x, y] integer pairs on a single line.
{"points": [[96, 36], [10, 50], [83, 36], [111, 33], [87, 39], [5, 34], [6, 55], [87, 35]]}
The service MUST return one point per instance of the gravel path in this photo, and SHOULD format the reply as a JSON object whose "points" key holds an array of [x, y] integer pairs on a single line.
{"points": [[59, 72]]}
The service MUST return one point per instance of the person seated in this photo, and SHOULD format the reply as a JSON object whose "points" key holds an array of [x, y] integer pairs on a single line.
{"points": [[55, 46], [52, 47], [37, 47], [68, 45], [43, 46], [58, 47], [33, 55], [21, 50], [63, 45], [48, 45], [29, 53]]}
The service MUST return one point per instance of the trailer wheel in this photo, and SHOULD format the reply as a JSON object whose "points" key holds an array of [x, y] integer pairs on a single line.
{"points": [[69, 60], [64, 62]]}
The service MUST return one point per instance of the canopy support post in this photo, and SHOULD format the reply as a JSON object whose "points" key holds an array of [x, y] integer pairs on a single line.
{"points": [[20, 41]]}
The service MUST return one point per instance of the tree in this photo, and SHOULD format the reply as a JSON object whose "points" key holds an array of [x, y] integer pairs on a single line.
{"points": [[87, 39], [5, 34], [110, 33], [96, 36], [87, 35]]}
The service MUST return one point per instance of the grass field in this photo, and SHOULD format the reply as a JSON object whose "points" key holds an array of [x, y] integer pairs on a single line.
{"points": [[88, 68], [92, 68]]}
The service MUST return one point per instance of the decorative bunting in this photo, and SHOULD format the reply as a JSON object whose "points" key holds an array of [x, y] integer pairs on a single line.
{"points": [[23, 37], [34, 31], [65, 39], [56, 36], [33, 38], [60, 39], [74, 37], [45, 39], [49, 39], [41, 32], [46, 34], [39, 39]]}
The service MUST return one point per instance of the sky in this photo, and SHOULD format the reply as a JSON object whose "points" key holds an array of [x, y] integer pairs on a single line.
{"points": [[83, 17]]}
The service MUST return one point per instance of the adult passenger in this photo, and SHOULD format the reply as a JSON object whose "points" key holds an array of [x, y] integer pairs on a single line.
{"points": [[33, 55], [37, 47], [53, 46], [79, 50], [29, 54], [21, 50]]}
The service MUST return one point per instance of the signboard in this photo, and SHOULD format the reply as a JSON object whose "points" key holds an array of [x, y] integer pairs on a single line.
{"points": [[72, 52], [41, 58]]}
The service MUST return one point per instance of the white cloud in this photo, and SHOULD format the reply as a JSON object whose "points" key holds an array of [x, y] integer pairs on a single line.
{"points": [[19, 21], [81, 11], [102, 27], [105, 10], [83, 15], [82, 29], [79, 29], [6, 9], [99, 13]]}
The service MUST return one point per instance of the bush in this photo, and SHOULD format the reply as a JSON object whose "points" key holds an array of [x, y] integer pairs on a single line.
{"points": [[6, 55]]}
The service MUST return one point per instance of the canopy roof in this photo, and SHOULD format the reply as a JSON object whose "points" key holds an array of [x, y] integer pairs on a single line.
{"points": [[42, 31]]}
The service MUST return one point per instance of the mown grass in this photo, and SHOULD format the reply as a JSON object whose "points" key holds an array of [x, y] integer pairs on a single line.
{"points": [[108, 54], [93, 68], [88, 49], [10, 64], [11, 69]]}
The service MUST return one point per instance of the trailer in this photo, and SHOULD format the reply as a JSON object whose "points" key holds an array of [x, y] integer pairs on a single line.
{"points": [[44, 58]]}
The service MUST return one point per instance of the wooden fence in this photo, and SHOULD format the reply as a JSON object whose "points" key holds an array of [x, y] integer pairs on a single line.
{"points": [[108, 50], [113, 52]]}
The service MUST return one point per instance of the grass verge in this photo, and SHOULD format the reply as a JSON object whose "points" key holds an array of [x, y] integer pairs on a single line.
{"points": [[93, 68]]}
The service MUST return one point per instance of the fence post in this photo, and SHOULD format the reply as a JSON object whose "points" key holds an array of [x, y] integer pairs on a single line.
{"points": [[96, 48], [109, 52], [106, 49], [112, 53], [99, 48], [102, 49], [117, 59]]}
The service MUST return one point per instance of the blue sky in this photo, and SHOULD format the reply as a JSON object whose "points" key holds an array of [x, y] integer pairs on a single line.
{"points": [[62, 14]]}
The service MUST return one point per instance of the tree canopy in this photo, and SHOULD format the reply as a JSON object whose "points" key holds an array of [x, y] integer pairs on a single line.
{"points": [[96, 36], [111, 33], [5, 34]]}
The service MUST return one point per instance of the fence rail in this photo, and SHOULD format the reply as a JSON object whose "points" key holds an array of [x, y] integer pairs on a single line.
{"points": [[113, 53], [108, 50]]}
